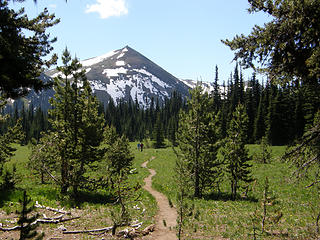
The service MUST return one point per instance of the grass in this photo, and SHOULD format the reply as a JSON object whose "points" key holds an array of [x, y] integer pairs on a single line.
{"points": [[220, 217], [212, 217], [94, 205]]}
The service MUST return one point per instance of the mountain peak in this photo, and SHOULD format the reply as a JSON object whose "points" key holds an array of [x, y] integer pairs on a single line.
{"points": [[127, 74]]}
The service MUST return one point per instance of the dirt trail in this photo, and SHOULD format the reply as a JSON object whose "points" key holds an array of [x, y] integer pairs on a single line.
{"points": [[166, 214]]}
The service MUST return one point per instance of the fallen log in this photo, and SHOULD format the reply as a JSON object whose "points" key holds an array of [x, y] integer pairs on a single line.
{"points": [[148, 229], [40, 221], [136, 226], [56, 220], [37, 205], [106, 229], [9, 229], [53, 218]]}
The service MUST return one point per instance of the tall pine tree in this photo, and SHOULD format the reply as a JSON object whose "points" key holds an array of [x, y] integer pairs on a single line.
{"points": [[235, 153], [76, 120], [197, 136]]}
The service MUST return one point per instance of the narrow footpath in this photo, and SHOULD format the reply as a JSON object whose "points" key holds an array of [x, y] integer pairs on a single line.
{"points": [[166, 218]]}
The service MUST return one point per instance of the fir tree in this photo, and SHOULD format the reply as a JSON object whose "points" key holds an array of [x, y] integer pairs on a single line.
{"points": [[158, 134], [265, 152], [119, 162], [289, 41], [183, 178], [235, 153], [21, 55], [13, 134], [27, 224], [216, 93], [306, 155], [44, 155], [75, 118], [197, 136], [119, 157]]}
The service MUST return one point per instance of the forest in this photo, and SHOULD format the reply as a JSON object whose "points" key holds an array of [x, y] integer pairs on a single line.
{"points": [[281, 113], [240, 162]]}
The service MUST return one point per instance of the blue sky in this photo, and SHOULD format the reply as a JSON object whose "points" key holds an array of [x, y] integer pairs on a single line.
{"points": [[182, 36]]}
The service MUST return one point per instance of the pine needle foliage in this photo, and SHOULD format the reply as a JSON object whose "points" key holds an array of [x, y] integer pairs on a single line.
{"points": [[235, 153], [27, 224], [306, 155], [197, 138], [22, 56], [77, 126], [264, 156]]}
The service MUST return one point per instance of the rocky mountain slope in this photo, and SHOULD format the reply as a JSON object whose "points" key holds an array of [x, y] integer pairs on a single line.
{"points": [[121, 74]]}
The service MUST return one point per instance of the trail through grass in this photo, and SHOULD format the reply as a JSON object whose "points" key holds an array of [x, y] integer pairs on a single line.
{"points": [[213, 217]]}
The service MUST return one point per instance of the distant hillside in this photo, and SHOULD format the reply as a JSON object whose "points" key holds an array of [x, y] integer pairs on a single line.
{"points": [[121, 74]]}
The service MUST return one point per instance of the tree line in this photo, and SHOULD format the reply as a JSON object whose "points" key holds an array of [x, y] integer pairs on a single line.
{"points": [[281, 113]]}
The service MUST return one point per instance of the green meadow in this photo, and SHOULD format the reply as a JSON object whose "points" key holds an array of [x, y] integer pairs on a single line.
{"points": [[214, 216]]}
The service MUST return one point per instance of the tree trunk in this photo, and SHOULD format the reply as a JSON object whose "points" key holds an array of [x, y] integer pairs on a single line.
{"points": [[196, 181]]}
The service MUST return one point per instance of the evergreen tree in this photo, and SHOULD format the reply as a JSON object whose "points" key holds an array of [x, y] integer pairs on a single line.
{"points": [[13, 134], [43, 156], [197, 136], [216, 92], [75, 118], [306, 155], [158, 134], [252, 96], [119, 160], [172, 129], [119, 157], [290, 40], [21, 55], [265, 152], [235, 153], [183, 179], [27, 225], [234, 90], [299, 120]]}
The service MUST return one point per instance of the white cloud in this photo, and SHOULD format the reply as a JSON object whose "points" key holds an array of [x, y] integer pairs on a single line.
{"points": [[108, 8]]}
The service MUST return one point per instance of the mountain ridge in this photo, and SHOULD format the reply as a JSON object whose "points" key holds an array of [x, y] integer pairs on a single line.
{"points": [[125, 73]]}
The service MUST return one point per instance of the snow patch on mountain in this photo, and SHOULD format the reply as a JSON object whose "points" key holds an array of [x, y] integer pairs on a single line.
{"points": [[120, 63], [125, 73], [121, 55], [137, 92], [114, 90], [70, 76], [207, 86], [95, 60], [153, 78], [189, 83], [114, 72], [98, 85]]}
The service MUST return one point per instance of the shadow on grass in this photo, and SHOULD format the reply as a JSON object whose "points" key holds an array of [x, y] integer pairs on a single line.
{"points": [[54, 194], [89, 197], [12, 195], [222, 196]]}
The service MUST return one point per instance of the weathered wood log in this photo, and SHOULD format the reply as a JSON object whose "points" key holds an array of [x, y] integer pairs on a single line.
{"points": [[40, 221], [53, 218], [148, 229], [106, 229], [56, 220], [138, 225], [37, 205], [9, 229]]}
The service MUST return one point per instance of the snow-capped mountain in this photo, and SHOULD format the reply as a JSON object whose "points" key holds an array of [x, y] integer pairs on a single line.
{"points": [[124, 73], [207, 86]]}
